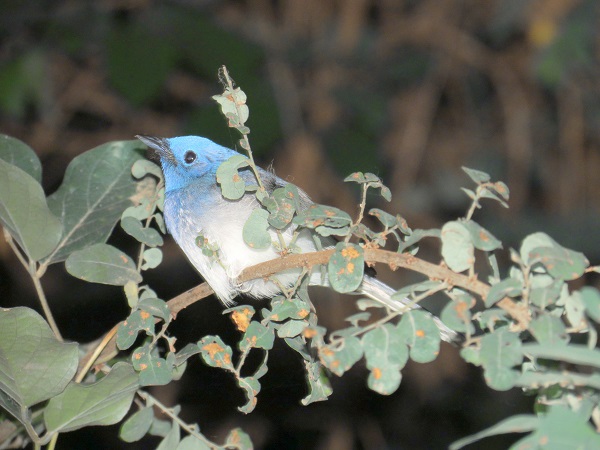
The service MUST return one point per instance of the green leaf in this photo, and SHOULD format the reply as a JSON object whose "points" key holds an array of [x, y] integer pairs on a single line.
{"points": [[232, 184], [255, 232], [385, 354], [19, 154], [340, 358], [573, 353], [135, 228], [476, 175], [500, 352], [233, 101], [251, 386], [320, 215], [292, 328], [128, 331], [386, 219], [561, 429], [533, 241], [282, 309], [457, 246], [102, 263], [153, 370], [136, 426], [257, 336], [24, 213], [143, 167], [156, 307], [152, 258], [509, 287], [192, 443], [282, 205], [238, 439], [561, 262], [346, 267], [547, 329], [319, 388], [96, 189], [34, 366], [482, 238], [545, 296], [457, 314], [215, 353], [415, 236], [515, 424], [418, 330], [103, 403], [171, 440], [591, 299]]}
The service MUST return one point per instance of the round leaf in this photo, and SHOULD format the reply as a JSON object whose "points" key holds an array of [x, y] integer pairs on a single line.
{"points": [[346, 267], [457, 246], [102, 263]]}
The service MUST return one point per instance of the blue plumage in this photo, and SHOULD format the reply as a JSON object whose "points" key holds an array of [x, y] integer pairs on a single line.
{"points": [[195, 206]]}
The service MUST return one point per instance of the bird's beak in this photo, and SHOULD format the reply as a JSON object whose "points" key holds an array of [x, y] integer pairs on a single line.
{"points": [[160, 145]]}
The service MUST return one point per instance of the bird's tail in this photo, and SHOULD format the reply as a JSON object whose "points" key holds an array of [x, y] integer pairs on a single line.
{"points": [[382, 293]]}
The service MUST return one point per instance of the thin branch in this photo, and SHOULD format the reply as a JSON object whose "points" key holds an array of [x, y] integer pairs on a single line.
{"points": [[44, 302]]}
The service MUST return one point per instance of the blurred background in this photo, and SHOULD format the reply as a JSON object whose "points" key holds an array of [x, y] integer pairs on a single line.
{"points": [[408, 89]]}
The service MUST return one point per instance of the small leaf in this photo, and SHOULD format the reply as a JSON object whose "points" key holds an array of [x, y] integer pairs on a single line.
{"points": [[255, 232], [591, 299], [21, 155], [509, 287], [282, 205], [153, 370], [238, 439], [319, 388], [292, 328], [136, 426], [232, 184], [457, 315], [215, 353], [457, 246], [257, 336], [148, 236], [102, 263], [128, 331], [548, 329], [385, 218], [156, 307], [25, 214], [385, 354], [241, 316], [561, 262], [318, 215], [418, 330], [282, 309], [192, 443], [533, 241], [482, 238], [545, 296], [500, 352], [171, 440], [143, 167], [152, 258], [342, 357], [103, 403], [346, 267], [476, 175]]}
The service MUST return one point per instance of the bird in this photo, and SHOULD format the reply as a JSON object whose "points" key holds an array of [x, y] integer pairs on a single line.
{"points": [[194, 205]]}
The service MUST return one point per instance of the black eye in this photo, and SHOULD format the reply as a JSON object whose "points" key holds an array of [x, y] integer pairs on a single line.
{"points": [[189, 157]]}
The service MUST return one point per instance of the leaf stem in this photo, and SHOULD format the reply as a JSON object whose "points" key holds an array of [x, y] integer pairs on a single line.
{"points": [[44, 302], [190, 429]]}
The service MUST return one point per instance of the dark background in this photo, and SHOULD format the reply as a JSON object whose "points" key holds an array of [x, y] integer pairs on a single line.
{"points": [[410, 90]]}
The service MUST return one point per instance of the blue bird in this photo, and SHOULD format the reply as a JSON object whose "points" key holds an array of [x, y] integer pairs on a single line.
{"points": [[194, 205]]}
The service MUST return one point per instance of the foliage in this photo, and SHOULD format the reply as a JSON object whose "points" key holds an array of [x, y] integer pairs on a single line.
{"points": [[523, 325]]}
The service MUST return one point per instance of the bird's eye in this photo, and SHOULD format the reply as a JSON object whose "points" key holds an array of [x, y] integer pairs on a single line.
{"points": [[189, 157]]}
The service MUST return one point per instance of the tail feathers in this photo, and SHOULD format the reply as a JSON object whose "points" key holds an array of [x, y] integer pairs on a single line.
{"points": [[382, 293]]}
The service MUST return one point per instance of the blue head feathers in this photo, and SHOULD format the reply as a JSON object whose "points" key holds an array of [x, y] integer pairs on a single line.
{"points": [[186, 158]]}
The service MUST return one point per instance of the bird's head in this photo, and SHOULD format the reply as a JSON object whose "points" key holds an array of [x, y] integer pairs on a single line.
{"points": [[185, 159]]}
